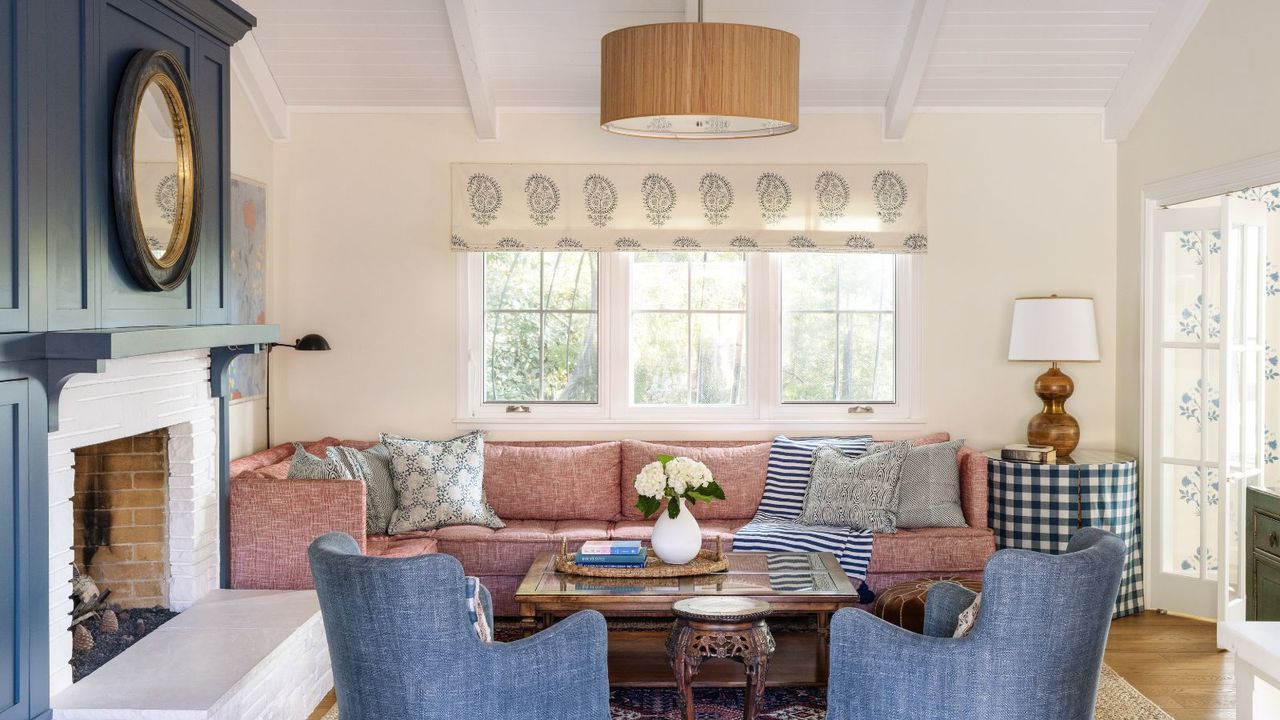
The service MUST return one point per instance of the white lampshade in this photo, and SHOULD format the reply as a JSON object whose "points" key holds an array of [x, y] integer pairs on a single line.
{"points": [[1054, 329]]}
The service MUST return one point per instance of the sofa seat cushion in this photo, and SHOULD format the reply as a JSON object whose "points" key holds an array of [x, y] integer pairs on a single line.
{"points": [[553, 483], [739, 471], [407, 545], [711, 529], [939, 550], [511, 550]]}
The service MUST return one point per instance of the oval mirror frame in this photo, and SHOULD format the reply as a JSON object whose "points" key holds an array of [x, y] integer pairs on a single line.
{"points": [[163, 70]]}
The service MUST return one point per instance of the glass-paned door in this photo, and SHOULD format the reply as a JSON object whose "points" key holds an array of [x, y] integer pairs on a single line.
{"points": [[1244, 261], [1205, 406]]}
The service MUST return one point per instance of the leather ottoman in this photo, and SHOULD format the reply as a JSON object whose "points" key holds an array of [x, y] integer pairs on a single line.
{"points": [[903, 604]]}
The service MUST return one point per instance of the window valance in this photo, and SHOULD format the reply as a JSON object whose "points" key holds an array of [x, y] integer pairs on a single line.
{"points": [[858, 208]]}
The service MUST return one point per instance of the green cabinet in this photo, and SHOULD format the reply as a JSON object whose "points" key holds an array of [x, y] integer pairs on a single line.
{"points": [[1262, 569]]}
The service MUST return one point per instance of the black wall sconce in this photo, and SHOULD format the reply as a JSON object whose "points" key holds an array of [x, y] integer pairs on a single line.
{"points": [[311, 342]]}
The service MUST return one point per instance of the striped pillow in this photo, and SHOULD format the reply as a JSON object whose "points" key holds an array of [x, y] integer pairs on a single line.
{"points": [[790, 462]]}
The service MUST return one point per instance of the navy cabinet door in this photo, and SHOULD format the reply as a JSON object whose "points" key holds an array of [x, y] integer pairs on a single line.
{"points": [[15, 579], [14, 215]]}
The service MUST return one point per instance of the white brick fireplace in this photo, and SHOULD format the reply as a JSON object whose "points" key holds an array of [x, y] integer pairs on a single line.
{"points": [[231, 654], [136, 395]]}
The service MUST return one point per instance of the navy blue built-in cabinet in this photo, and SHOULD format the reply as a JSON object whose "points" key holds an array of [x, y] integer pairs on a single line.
{"points": [[61, 268]]}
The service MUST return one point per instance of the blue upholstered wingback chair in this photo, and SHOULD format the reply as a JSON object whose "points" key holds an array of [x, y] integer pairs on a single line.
{"points": [[1035, 651], [404, 648]]}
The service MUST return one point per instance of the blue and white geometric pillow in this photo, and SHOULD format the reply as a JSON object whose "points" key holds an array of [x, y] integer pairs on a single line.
{"points": [[438, 483], [790, 463]]}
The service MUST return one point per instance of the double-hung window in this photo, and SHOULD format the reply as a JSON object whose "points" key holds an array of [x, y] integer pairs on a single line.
{"points": [[752, 339]]}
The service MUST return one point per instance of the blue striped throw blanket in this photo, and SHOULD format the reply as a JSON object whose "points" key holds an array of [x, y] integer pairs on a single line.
{"points": [[774, 528]]}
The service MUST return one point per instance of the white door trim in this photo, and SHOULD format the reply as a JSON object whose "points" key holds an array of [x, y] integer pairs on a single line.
{"points": [[1252, 172]]}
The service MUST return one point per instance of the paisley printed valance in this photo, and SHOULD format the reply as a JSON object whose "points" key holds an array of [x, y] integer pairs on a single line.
{"points": [[858, 208]]}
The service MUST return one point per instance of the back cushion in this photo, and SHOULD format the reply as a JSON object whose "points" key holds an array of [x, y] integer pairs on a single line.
{"points": [[739, 470], [553, 483]]}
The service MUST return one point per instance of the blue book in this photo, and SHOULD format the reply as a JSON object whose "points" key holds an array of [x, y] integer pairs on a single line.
{"points": [[629, 566], [628, 560]]}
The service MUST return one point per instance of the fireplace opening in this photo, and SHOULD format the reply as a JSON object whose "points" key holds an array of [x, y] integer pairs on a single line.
{"points": [[120, 588]]}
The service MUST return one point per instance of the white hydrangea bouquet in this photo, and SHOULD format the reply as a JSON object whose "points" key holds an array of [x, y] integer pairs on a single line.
{"points": [[672, 479]]}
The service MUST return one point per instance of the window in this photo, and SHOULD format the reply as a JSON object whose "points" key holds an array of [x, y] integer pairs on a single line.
{"points": [[540, 320], [838, 325], [750, 339], [688, 328]]}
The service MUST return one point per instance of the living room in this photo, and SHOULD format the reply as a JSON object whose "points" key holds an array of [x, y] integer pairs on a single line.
{"points": [[423, 358]]}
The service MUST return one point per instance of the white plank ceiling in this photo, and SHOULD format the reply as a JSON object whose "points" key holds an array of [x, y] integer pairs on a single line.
{"points": [[531, 54]]}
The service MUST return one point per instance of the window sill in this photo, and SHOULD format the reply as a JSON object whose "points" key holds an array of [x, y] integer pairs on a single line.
{"points": [[710, 428]]}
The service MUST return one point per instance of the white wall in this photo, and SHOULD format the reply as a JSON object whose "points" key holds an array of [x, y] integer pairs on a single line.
{"points": [[253, 157], [1219, 103], [1019, 204]]}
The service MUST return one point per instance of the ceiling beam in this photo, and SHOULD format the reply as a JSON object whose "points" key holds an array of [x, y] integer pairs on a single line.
{"points": [[926, 18], [462, 21], [1161, 44], [250, 67]]}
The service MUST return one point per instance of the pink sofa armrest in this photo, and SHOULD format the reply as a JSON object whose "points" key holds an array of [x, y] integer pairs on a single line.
{"points": [[274, 521], [973, 486]]}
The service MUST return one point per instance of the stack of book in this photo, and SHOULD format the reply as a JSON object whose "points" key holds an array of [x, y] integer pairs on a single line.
{"points": [[1029, 454], [612, 553]]}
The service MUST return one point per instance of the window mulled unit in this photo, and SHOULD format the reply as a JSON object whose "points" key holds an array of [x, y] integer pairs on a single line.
{"points": [[878, 293]]}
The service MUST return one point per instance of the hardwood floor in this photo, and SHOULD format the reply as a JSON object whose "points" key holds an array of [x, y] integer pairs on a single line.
{"points": [[1171, 659], [1174, 660]]}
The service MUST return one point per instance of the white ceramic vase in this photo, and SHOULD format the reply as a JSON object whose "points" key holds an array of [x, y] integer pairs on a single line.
{"points": [[676, 540]]}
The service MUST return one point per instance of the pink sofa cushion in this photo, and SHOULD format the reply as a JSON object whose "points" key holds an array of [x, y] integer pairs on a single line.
{"points": [[931, 439], [937, 550], [511, 550], [553, 483], [739, 470], [711, 529], [407, 545]]}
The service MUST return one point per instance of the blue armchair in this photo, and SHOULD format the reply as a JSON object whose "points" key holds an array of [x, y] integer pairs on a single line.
{"points": [[1035, 651], [404, 648]]}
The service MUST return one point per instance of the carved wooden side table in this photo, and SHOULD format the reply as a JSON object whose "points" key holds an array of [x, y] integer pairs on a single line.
{"points": [[720, 627]]}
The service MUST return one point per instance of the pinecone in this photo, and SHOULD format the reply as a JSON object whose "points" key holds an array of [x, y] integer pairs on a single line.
{"points": [[108, 622], [81, 639], [139, 628]]}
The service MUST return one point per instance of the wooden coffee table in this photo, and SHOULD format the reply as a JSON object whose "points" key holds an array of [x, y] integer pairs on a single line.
{"points": [[792, 584]]}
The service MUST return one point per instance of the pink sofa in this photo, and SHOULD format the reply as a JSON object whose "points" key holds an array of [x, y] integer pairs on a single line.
{"points": [[546, 491]]}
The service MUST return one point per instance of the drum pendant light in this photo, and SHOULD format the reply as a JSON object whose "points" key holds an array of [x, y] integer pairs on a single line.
{"points": [[699, 81]]}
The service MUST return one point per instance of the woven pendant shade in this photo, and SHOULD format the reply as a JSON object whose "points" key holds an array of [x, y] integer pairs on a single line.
{"points": [[699, 80]]}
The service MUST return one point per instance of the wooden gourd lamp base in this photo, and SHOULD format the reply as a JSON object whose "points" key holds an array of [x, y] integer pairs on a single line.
{"points": [[1054, 426]]}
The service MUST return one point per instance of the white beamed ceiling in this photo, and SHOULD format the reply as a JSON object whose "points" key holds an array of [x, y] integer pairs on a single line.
{"points": [[1014, 54]]}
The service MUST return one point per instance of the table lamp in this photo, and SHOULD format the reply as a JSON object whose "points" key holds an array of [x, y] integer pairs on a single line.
{"points": [[1054, 329]]}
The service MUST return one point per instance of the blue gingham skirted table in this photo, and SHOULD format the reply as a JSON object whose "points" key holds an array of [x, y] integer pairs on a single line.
{"points": [[1039, 507]]}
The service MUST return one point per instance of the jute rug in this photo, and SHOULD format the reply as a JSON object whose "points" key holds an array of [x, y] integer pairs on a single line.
{"points": [[1117, 700]]}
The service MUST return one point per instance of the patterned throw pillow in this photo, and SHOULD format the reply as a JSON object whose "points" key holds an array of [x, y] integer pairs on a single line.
{"points": [[787, 477], [381, 498], [305, 466], [438, 483], [372, 467], [859, 493], [968, 618], [929, 491], [475, 607]]}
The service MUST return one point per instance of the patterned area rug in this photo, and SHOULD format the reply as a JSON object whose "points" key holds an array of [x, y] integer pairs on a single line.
{"points": [[1117, 700]]}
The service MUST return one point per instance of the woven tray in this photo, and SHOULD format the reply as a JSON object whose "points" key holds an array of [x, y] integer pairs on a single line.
{"points": [[707, 562]]}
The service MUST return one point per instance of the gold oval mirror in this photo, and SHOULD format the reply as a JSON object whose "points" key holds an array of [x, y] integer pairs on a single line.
{"points": [[156, 174]]}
